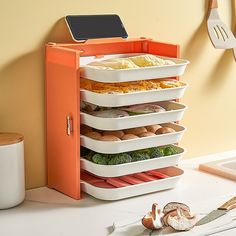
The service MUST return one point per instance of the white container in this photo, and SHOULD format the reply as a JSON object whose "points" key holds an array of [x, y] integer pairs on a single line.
{"points": [[135, 190], [125, 99], [174, 112], [12, 178], [111, 147], [133, 167], [124, 75]]}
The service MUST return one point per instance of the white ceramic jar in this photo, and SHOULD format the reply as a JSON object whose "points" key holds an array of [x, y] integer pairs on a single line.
{"points": [[12, 174]]}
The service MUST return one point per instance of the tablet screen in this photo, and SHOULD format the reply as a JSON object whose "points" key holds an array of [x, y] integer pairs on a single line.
{"points": [[83, 27]]}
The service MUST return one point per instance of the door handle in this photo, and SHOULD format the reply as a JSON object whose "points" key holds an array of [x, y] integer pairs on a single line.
{"points": [[69, 125]]}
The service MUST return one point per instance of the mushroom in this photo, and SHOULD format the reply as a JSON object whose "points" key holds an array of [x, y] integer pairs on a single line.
{"points": [[175, 205], [177, 215], [152, 220], [165, 217], [180, 220]]}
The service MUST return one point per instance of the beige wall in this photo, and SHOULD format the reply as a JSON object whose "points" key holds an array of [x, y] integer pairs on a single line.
{"points": [[27, 25]]}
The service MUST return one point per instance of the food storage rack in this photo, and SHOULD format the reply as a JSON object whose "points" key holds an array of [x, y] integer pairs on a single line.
{"points": [[64, 67]]}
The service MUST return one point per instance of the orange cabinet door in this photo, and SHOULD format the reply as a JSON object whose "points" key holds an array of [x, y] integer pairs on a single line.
{"points": [[62, 120]]}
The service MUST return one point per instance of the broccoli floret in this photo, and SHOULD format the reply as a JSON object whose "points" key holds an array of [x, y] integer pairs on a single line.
{"points": [[99, 159], [169, 150], [120, 158], [155, 152], [138, 156]]}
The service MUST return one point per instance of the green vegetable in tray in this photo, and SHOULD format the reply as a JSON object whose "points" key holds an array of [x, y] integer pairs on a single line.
{"points": [[120, 158], [99, 159], [169, 150], [138, 156], [155, 152]]}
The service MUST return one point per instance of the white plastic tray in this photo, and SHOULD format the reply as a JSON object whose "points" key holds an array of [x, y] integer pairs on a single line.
{"points": [[112, 147], [174, 112], [133, 167], [125, 99], [135, 190], [122, 75]]}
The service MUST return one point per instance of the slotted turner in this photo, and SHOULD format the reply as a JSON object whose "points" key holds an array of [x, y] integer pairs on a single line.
{"points": [[234, 51], [220, 35]]}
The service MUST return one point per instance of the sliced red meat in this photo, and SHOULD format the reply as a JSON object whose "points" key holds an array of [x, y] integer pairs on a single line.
{"points": [[131, 180], [117, 182], [103, 185], [157, 174], [144, 177], [90, 179]]}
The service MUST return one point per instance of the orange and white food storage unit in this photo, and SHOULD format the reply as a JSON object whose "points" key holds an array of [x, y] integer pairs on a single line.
{"points": [[67, 71]]}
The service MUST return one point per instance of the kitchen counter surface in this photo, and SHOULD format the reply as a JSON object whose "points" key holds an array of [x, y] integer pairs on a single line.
{"points": [[46, 212]]}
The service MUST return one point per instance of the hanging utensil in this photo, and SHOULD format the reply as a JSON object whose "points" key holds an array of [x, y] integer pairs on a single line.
{"points": [[234, 50], [220, 35], [234, 9]]}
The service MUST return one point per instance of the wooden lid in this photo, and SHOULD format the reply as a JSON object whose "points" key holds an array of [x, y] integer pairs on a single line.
{"points": [[10, 138]]}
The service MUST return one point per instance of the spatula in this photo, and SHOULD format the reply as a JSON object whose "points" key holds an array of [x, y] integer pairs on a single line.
{"points": [[234, 50], [220, 35], [234, 9]]}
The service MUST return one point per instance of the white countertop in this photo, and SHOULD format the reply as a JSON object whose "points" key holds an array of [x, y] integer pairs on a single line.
{"points": [[46, 212]]}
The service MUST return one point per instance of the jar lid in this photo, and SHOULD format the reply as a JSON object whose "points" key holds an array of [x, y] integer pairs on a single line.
{"points": [[10, 138]]}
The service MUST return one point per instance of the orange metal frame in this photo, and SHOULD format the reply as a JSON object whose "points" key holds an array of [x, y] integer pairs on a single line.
{"points": [[63, 99]]}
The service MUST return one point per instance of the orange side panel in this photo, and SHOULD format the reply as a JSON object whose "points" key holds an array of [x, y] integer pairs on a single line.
{"points": [[164, 49], [62, 99]]}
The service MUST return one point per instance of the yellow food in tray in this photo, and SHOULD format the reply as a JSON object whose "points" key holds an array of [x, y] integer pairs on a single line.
{"points": [[170, 83], [150, 60], [128, 87], [118, 63], [146, 60]]}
